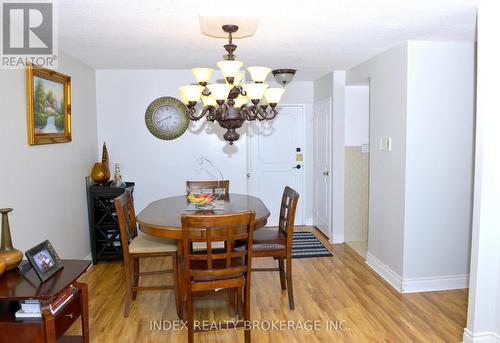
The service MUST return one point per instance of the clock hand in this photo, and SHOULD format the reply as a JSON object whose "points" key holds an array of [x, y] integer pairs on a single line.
{"points": [[159, 121]]}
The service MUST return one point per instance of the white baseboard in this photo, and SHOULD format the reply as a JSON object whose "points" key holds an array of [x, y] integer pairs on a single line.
{"points": [[438, 283], [415, 285], [88, 257], [336, 238], [384, 271], [480, 337]]}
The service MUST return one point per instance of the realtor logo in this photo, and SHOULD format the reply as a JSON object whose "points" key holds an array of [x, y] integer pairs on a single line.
{"points": [[28, 34]]}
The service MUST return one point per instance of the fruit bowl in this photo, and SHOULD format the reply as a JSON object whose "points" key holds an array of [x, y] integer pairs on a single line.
{"points": [[203, 199]]}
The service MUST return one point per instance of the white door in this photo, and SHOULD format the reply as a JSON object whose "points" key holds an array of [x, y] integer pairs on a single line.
{"points": [[272, 159], [321, 161]]}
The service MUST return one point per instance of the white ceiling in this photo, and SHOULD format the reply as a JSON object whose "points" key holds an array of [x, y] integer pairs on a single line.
{"points": [[312, 36]]}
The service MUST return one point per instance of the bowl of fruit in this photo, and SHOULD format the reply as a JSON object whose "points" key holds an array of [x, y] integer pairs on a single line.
{"points": [[203, 199]]}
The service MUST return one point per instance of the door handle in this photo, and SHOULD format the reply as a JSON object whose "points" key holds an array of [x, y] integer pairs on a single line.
{"points": [[326, 173], [298, 166]]}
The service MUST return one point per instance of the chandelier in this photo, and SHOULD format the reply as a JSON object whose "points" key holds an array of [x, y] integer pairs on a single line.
{"points": [[232, 103]]}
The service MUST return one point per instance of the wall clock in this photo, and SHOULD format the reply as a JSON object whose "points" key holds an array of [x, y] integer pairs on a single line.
{"points": [[167, 118]]}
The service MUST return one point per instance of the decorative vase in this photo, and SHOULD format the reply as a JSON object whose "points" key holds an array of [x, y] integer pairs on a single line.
{"points": [[3, 265], [12, 257], [105, 156], [100, 171]]}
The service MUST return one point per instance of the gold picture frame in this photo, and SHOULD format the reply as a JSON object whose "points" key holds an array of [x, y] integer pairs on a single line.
{"points": [[49, 106]]}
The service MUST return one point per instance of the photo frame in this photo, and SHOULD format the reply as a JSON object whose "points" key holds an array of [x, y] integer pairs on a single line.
{"points": [[49, 106], [44, 260]]}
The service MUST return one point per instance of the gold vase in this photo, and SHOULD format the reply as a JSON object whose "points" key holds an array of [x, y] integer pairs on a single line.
{"points": [[100, 172], [3, 265], [12, 257]]}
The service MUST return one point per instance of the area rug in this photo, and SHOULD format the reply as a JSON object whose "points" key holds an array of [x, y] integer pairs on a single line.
{"points": [[305, 245]]}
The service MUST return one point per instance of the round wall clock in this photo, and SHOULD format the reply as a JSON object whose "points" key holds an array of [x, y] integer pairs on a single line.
{"points": [[167, 118]]}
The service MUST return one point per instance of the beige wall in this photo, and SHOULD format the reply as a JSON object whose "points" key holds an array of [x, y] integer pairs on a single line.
{"points": [[356, 194]]}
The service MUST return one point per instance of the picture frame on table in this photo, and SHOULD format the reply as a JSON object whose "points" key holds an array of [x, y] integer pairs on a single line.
{"points": [[44, 260]]}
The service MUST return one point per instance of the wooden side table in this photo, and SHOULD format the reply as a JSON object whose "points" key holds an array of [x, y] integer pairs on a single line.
{"points": [[50, 328]]}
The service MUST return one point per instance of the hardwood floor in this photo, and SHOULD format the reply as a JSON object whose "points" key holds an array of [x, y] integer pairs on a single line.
{"points": [[350, 302]]}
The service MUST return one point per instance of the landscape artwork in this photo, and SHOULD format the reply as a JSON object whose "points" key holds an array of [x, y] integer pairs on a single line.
{"points": [[49, 106], [49, 109]]}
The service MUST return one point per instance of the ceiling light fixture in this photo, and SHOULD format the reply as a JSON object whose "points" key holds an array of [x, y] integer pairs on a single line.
{"points": [[231, 103]]}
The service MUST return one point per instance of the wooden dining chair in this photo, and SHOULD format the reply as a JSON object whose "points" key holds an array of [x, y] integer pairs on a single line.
{"points": [[136, 246], [218, 268], [209, 185], [278, 242]]}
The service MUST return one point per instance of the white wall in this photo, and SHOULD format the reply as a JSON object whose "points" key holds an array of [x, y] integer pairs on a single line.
{"points": [[323, 87], [45, 183], [421, 96], [332, 86], [387, 75], [439, 159], [357, 115], [483, 317], [160, 168], [338, 159], [497, 309]]}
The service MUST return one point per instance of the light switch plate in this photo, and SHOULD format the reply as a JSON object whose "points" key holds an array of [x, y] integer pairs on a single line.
{"points": [[385, 144]]}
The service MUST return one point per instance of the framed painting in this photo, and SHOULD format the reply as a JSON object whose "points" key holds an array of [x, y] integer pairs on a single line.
{"points": [[49, 106]]}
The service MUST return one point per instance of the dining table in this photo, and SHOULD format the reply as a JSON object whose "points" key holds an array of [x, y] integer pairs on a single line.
{"points": [[162, 218]]}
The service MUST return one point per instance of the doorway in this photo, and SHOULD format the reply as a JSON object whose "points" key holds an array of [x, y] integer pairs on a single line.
{"points": [[322, 163], [356, 175], [275, 159]]}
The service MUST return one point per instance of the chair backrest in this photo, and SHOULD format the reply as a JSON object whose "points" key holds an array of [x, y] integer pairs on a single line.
{"points": [[124, 205], [227, 228], [208, 185], [289, 202]]}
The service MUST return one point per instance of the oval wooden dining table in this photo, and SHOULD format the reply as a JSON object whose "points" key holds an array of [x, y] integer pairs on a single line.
{"points": [[162, 218]]}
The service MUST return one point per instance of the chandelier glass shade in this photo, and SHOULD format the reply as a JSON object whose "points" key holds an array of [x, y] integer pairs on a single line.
{"points": [[203, 75], [232, 102], [258, 74]]}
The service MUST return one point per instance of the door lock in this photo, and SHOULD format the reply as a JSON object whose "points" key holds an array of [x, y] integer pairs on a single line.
{"points": [[298, 166], [326, 173]]}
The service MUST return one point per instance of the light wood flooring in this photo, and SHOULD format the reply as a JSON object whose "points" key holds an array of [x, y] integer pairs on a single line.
{"points": [[340, 290], [360, 247]]}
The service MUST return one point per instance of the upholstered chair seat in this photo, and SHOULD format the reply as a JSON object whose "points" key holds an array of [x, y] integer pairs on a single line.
{"points": [[268, 240], [149, 244]]}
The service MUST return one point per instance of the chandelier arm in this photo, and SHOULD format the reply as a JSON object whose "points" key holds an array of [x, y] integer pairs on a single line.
{"points": [[261, 113], [192, 112], [212, 111], [252, 114], [245, 113], [258, 115], [272, 114]]}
